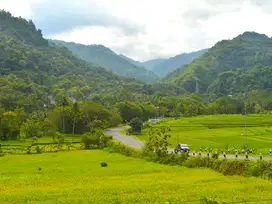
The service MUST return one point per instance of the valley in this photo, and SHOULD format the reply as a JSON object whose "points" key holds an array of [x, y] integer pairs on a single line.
{"points": [[63, 106]]}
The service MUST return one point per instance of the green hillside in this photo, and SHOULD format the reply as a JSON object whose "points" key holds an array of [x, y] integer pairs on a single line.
{"points": [[173, 63], [106, 58], [230, 67], [33, 72]]}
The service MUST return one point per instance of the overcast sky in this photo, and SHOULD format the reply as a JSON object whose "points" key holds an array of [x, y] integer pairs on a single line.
{"points": [[145, 29]]}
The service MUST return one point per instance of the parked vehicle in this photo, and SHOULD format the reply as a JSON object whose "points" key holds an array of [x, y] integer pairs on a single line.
{"points": [[182, 148]]}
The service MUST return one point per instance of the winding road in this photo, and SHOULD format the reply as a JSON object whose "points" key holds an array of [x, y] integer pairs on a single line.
{"points": [[132, 142]]}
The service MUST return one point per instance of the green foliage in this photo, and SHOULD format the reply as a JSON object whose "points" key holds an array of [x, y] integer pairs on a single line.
{"points": [[21, 29], [33, 73], [32, 128], [129, 110], [104, 164], [95, 139], [136, 125], [117, 147], [90, 140], [158, 140], [10, 123]]}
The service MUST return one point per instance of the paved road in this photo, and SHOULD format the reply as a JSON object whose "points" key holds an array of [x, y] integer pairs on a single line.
{"points": [[132, 142]]}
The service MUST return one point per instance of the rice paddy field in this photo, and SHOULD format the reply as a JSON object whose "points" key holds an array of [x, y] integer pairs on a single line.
{"points": [[77, 177], [220, 132]]}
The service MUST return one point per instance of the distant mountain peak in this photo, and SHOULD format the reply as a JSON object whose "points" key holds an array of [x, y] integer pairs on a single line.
{"points": [[176, 62], [253, 35], [105, 57]]}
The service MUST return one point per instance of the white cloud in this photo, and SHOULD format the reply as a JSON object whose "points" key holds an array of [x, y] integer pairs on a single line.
{"points": [[146, 29], [19, 7]]}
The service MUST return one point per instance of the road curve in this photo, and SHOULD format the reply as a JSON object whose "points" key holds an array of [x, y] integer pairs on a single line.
{"points": [[132, 142]]}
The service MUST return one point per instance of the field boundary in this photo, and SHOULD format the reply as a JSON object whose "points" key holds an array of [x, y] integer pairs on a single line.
{"points": [[38, 148]]}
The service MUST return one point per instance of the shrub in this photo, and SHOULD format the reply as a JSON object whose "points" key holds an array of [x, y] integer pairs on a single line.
{"points": [[89, 139], [38, 149], [118, 147], [28, 151], [215, 155], [104, 164]]}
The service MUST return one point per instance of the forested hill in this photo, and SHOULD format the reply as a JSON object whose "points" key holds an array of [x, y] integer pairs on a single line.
{"points": [[106, 58], [31, 70], [20, 29], [176, 62], [230, 67]]}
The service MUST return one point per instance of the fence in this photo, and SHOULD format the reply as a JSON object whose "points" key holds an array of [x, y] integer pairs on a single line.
{"points": [[39, 148]]}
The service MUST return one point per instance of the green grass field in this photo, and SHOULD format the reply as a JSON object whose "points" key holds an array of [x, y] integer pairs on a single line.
{"points": [[76, 177], [219, 132]]}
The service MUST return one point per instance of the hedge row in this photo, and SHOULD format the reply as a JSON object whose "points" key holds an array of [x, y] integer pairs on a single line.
{"points": [[226, 166]]}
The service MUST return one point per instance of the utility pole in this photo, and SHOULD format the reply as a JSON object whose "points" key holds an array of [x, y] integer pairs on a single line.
{"points": [[246, 145], [246, 142]]}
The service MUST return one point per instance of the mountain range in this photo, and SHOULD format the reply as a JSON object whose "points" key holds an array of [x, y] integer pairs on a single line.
{"points": [[122, 65], [108, 59], [33, 68]]}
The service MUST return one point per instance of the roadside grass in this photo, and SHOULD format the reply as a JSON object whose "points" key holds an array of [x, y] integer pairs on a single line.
{"points": [[219, 132], [76, 177]]}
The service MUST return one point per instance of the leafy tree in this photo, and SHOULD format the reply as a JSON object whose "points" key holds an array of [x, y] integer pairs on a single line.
{"points": [[158, 140], [96, 138], [129, 110], [32, 128], [136, 125]]}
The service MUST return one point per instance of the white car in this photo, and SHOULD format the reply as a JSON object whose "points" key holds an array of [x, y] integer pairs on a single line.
{"points": [[182, 148]]}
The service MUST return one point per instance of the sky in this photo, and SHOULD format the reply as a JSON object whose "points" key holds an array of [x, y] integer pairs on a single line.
{"points": [[145, 29]]}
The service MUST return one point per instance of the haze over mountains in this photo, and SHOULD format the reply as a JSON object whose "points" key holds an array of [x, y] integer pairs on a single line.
{"points": [[122, 65], [106, 58]]}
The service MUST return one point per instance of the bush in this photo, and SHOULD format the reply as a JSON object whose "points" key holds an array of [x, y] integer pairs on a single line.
{"points": [[215, 155], [89, 140], [118, 147], [38, 149], [104, 164]]}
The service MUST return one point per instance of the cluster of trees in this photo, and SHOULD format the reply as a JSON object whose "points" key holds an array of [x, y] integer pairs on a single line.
{"points": [[76, 118]]}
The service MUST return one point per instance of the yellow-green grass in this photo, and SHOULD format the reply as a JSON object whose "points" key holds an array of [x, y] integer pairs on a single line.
{"points": [[76, 177], [220, 131]]}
